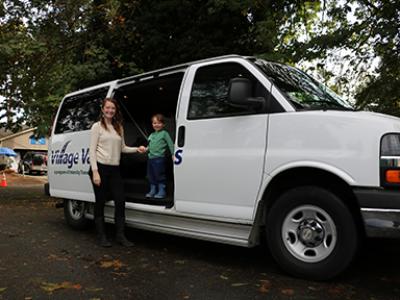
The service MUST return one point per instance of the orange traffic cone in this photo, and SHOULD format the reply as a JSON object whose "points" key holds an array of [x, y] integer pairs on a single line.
{"points": [[4, 180]]}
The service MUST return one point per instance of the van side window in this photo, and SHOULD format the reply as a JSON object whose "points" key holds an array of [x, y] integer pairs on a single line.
{"points": [[209, 94], [79, 112]]}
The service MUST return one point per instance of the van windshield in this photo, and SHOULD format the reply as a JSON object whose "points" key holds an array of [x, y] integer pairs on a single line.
{"points": [[303, 91]]}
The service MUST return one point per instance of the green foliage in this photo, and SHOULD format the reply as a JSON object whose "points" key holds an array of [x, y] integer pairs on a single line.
{"points": [[49, 48], [371, 34]]}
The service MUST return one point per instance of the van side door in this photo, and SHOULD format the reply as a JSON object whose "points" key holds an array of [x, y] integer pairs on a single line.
{"points": [[220, 148]]}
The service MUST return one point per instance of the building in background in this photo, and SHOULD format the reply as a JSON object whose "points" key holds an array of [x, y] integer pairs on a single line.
{"points": [[22, 142]]}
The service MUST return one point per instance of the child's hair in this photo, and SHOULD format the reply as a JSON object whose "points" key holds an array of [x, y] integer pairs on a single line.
{"points": [[159, 117]]}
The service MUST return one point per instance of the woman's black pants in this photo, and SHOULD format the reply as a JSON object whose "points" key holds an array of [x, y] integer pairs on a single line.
{"points": [[111, 188]]}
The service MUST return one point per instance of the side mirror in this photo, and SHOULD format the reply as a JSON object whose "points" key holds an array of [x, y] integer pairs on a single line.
{"points": [[240, 92]]}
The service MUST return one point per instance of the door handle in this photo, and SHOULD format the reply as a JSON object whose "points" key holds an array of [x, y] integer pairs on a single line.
{"points": [[181, 136]]}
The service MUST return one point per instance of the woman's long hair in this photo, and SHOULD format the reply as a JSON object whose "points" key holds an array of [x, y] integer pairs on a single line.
{"points": [[116, 120]]}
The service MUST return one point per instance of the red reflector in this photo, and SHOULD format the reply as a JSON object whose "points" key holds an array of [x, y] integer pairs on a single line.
{"points": [[393, 176]]}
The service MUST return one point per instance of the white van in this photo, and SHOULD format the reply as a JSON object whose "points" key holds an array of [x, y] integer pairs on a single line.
{"points": [[260, 147]]}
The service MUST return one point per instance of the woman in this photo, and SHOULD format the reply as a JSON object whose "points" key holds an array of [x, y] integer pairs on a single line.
{"points": [[106, 144]]}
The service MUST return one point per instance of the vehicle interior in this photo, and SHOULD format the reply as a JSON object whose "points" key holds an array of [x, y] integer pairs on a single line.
{"points": [[139, 101]]}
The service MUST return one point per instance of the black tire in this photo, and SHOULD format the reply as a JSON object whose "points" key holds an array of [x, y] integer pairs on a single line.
{"points": [[74, 213], [314, 219]]}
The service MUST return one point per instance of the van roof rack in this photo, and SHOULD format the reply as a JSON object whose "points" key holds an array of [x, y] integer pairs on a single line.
{"points": [[172, 69]]}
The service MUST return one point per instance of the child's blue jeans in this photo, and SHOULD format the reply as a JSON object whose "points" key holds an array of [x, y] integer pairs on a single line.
{"points": [[156, 170]]}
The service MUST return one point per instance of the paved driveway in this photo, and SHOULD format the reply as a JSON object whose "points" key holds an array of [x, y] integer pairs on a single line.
{"points": [[41, 258]]}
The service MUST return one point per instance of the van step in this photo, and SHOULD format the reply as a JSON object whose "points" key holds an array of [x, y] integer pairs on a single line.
{"points": [[142, 186], [136, 185], [168, 202]]}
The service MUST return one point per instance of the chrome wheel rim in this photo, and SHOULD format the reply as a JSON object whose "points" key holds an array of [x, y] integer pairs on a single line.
{"points": [[76, 209], [309, 233]]}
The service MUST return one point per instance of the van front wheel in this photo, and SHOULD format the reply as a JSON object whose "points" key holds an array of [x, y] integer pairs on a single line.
{"points": [[311, 233], [74, 212]]}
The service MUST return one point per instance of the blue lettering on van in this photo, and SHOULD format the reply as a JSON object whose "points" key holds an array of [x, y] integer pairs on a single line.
{"points": [[178, 156], [62, 157], [85, 156]]}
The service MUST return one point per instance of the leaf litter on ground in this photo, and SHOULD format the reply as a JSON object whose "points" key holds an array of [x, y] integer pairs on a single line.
{"points": [[52, 287]]}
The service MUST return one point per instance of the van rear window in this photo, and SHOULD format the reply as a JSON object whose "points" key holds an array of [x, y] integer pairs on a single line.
{"points": [[38, 159], [79, 112]]}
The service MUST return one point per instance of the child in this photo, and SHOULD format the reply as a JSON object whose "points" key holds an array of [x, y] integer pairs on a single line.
{"points": [[159, 140]]}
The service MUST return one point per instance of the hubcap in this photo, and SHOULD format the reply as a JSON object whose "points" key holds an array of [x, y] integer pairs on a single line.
{"points": [[309, 233]]}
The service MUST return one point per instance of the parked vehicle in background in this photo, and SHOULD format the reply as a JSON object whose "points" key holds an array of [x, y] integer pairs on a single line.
{"points": [[33, 162], [6, 159]]}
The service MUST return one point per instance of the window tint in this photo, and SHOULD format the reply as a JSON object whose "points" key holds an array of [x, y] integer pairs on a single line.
{"points": [[209, 96], [80, 112]]}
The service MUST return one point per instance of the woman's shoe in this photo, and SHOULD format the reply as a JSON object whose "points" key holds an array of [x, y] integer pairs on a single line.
{"points": [[101, 233], [122, 240], [103, 242]]}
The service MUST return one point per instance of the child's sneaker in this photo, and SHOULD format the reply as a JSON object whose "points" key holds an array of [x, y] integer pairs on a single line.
{"points": [[161, 192], [152, 191]]}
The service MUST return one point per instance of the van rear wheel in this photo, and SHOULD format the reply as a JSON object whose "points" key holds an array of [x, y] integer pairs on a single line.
{"points": [[74, 212], [311, 233]]}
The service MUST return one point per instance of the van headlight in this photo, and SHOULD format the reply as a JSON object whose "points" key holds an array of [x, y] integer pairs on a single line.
{"points": [[390, 160]]}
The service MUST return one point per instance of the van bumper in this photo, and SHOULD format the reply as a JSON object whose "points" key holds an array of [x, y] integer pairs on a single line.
{"points": [[380, 210], [38, 168]]}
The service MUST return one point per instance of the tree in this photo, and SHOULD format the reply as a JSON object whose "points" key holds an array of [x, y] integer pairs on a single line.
{"points": [[49, 48], [361, 32], [380, 23]]}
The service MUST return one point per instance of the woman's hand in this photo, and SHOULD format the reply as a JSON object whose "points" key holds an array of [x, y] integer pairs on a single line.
{"points": [[96, 178], [142, 149]]}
